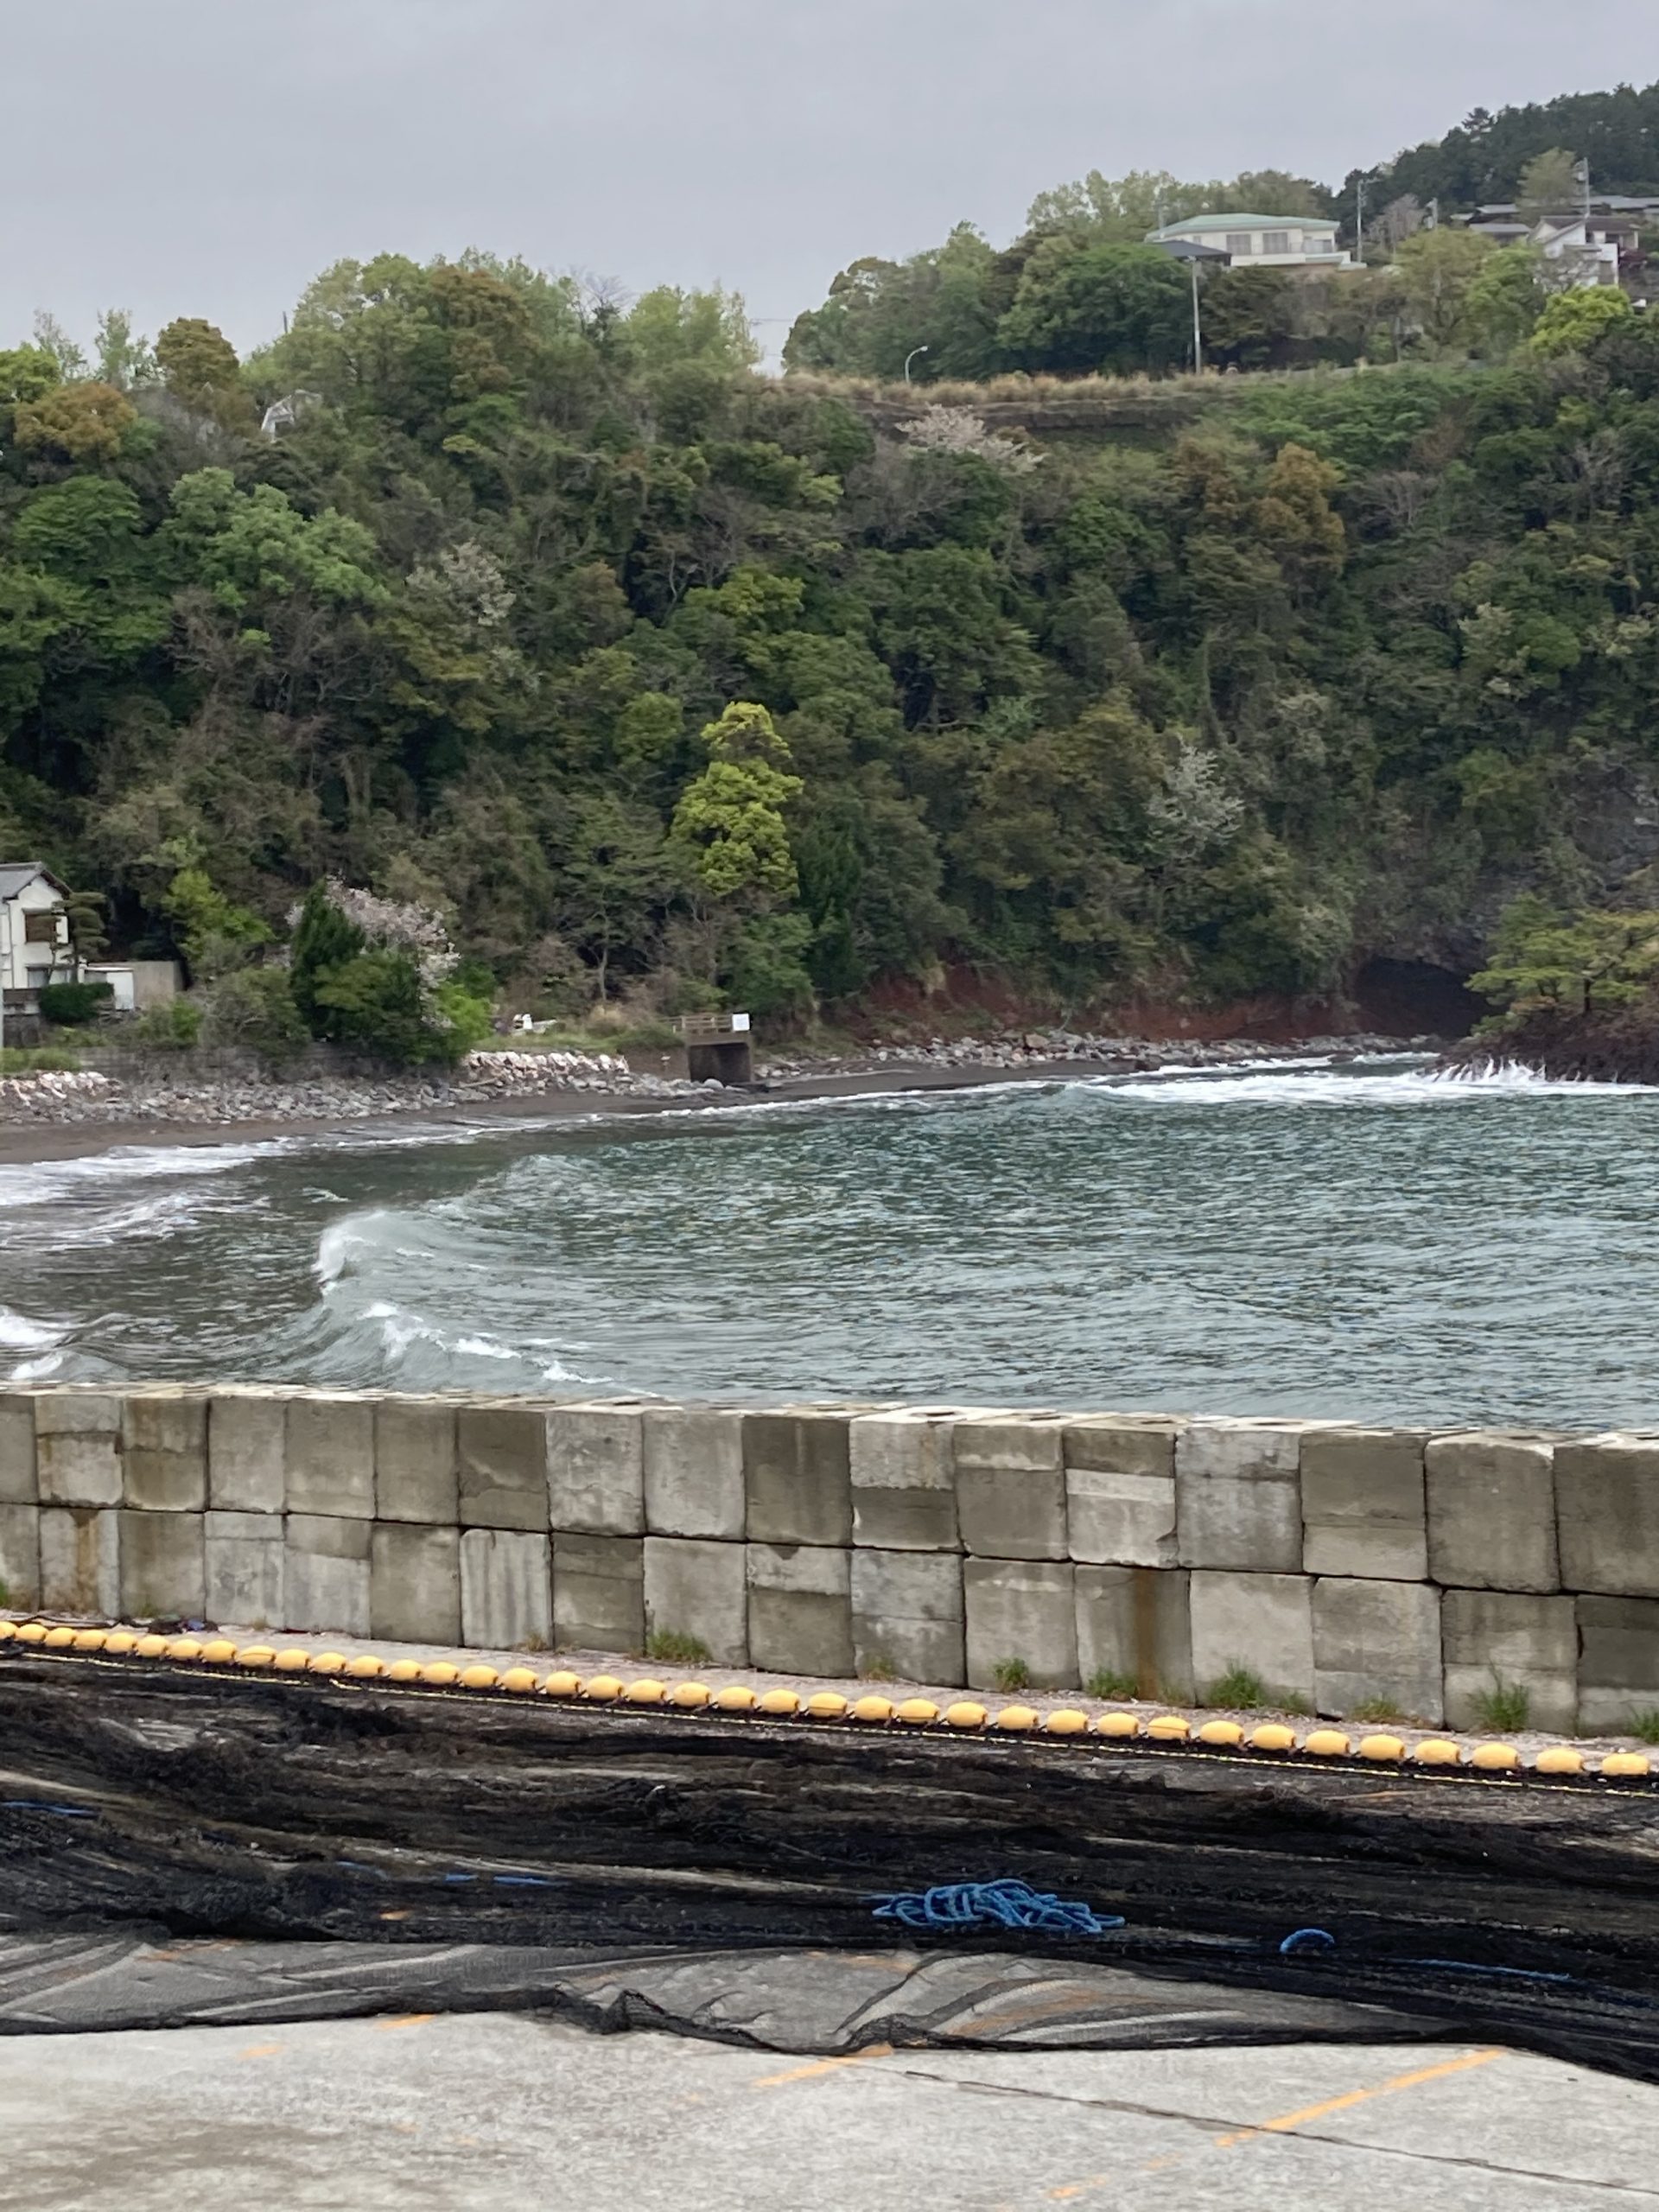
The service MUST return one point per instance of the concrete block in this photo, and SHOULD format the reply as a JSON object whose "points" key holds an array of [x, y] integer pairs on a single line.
{"points": [[907, 1616], [416, 1476], [1489, 1638], [595, 1469], [1134, 1624], [415, 1583], [903, 1481], [502, 1452], [247, 1451], [599, 1592], [1264, 1622], [81, 1560], [1491, 1511], [797, 1476], [163, 1566], [78, 1446], [800, 1609], [1377, 1641], [506, 1590], [1122, 1444], [1020, 1609], [1010, 1486], [1121, 1517], [19, 1555], [331, 1459], [1237, 1496], [164, 1452], [697, 1587], [1619, 1662], [1607, 1515], [18, 1483], [325, 1573], [1363, 1511], [693, 1464], [245, 1555]]}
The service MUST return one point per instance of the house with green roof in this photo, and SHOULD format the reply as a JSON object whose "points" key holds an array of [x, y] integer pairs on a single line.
{"points": [[1261, 241]]}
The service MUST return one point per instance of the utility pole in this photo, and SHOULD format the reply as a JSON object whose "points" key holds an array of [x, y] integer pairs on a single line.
{"points": [[910, 357], [1197, 331], [1359, 221]]}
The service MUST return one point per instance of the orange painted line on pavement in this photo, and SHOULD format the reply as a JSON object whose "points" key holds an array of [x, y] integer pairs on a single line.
{"points": [[1288, 2121], [260, 2050], [822, 2066], [407, 2020]]}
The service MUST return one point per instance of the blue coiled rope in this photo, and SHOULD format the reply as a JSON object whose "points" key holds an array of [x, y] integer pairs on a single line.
{"points": [[1008, 1903]]}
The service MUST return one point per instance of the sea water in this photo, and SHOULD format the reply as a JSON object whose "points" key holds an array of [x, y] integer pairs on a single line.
{"points": [[1380, 1243]]}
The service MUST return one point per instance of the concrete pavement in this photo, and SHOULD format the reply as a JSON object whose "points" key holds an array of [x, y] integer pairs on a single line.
{"points": [[460, 2113]]}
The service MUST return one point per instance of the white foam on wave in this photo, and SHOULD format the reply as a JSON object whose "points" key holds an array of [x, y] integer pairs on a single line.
{"points": [[1272, 1085]]}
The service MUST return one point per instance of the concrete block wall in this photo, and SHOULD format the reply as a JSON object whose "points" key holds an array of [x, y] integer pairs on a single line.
{"points": [[1350, 1569]]}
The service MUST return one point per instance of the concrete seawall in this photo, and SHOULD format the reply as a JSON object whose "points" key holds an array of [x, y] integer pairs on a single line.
{"points": [[1348, 1568]]}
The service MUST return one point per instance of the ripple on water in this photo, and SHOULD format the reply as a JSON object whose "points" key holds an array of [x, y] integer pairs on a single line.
{"points": [[1378, 1243]]}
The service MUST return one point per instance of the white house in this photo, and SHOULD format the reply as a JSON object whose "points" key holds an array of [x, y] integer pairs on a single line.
{"points": [[1261, 241], [33, 933]]}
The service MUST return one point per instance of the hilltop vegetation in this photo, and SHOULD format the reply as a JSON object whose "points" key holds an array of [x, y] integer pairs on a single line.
{"points": [[659, 679]]}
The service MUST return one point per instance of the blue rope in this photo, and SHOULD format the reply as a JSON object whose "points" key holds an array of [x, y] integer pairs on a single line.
{"points": [[1317, 1939], [1008, 1903]]}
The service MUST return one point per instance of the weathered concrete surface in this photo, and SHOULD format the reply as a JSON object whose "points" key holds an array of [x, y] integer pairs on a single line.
{"points": [[798, 1477], [693, 1471], [595, 1469], [1135, 1632], [908, 1615], [1025, 1611], [1607, 1510], [325, 1573], [20, 1555], [1491, 1512], [415, 1583], [18, 1483], [465, 2114], [800, 1608], [80, 1560], [1377, 1644], [164, 1452], [247, 1467], [1121, 1517], [1262, 1622], [417, 1470], [78, 1447], [1011, 1486], [244, 1556], [903, 1481], [1493, 1639], [599, 1592], [1238, 1498], [506, 1590], [331, 1457], [1362, 1511], [696, 1587], [503, 1459], [1618, 1661], [162, 1565]]}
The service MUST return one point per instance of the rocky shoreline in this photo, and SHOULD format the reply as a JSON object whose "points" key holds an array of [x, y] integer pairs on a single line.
{"points": [[164, 1100]]}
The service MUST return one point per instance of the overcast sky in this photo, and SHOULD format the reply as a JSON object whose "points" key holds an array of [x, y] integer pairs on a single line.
{"points": [[207, 156]]}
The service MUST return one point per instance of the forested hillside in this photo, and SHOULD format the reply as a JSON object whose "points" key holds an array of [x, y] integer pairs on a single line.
{"points": [[661, 678]]}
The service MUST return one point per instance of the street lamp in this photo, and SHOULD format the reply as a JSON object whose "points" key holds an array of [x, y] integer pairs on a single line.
{"points": [[910, 357]]}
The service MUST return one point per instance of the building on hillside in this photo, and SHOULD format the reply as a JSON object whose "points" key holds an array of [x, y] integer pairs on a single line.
{"points": [[35, 947], [1599, 244], [1261, 241]]}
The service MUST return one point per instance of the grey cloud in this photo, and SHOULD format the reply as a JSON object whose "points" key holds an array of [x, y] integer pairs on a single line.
{"points": [[209, 156]]}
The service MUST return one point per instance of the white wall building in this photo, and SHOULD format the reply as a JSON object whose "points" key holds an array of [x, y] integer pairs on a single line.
{"points": [[1261, 241], [34, 944]]}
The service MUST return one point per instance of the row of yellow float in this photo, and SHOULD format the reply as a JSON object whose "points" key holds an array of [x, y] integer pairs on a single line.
{"points": [[965, 1717]]}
